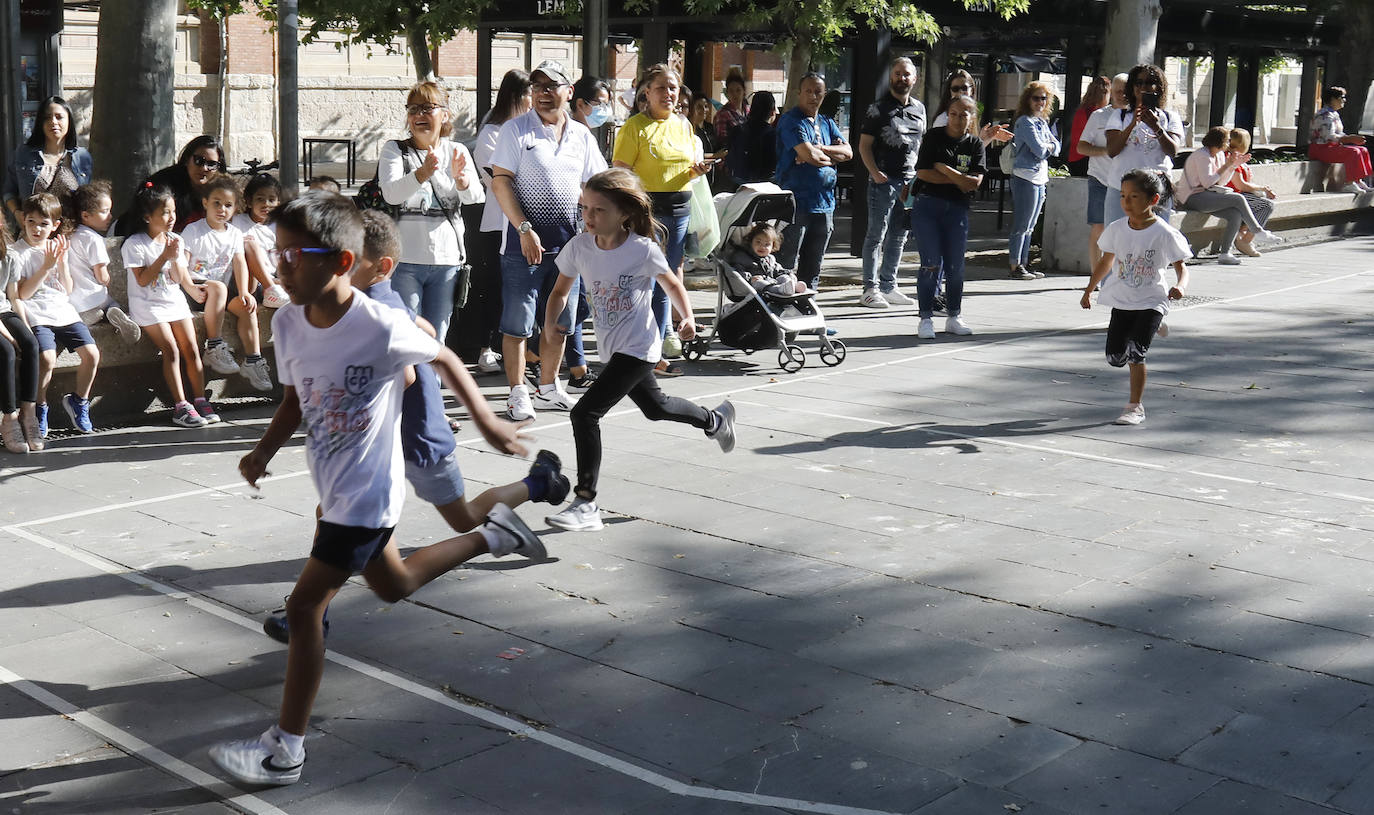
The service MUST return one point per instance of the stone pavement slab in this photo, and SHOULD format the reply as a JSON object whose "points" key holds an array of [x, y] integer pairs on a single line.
{"points": [[935, 579]]}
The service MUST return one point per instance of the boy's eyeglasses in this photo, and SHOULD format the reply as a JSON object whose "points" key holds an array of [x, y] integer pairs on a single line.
{"points": [[421, 110], [293, 256], [207, 163]]}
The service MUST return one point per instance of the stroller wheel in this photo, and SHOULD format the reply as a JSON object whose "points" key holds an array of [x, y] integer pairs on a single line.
{"points": [[835, 354], [791, 358], [695, 350]]}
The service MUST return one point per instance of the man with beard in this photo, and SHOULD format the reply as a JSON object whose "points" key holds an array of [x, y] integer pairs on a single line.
{"points": [[889, 140]]}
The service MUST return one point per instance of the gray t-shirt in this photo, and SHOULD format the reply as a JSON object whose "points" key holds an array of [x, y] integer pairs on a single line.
{"points": [[9, 273]]}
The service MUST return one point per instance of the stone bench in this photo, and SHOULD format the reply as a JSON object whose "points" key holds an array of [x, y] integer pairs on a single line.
{"points": [[130, 380], [1299, 215]]}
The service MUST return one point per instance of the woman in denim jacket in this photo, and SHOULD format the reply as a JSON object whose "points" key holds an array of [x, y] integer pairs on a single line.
{"points": [[49, 161], [1035, 143]]}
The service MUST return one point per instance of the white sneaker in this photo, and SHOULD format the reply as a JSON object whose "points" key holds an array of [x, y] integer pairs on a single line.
{"points": [[220, 359], [896, 298], [926, 330], [871, 298], [1265, 237], [580, 516], [488, 362], [1132, 415], [1228, 259], [257, 373], [555, 398], [672, 345], [128, 330], [275, 297], [253, 761], [724, 434], [954, 325], [518, 407], [512, 535]]}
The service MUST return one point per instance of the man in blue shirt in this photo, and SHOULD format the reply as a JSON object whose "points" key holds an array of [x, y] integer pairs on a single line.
{"points": [[809, 147]]}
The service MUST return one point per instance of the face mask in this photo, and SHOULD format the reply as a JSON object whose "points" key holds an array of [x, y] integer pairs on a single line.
{"points": [[599, 116]]}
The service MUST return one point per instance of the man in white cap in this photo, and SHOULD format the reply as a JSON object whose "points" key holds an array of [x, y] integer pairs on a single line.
{"points": [[542, 159]]}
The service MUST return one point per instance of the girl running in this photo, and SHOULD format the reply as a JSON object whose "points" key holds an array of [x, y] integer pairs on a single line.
{"points": [[156, 262], [1135, 251], [619, 263]]}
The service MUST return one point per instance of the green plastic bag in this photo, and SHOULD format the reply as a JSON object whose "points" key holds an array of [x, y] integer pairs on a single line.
{"points": [[701, 220]]}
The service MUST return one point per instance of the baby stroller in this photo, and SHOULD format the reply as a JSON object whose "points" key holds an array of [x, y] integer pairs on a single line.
{"points": [[750, 320]]}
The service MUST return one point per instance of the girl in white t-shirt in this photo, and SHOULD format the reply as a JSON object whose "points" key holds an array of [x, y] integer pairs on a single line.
{"points": [[1135, 252], [88, 261], [156, 262], [261, 197], [619, 263]]}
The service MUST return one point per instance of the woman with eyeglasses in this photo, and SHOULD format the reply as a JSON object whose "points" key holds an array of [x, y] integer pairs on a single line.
{"points": [[429, 177], [1142, 136], [1331, 145], [199, 162], [50, 161], [1035, 143]]}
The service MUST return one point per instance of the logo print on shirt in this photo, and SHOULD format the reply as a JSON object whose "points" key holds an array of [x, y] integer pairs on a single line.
{"points": [[356, 378]]}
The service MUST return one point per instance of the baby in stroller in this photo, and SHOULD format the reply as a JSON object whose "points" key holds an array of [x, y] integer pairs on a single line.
{"points": [[757, 264]]}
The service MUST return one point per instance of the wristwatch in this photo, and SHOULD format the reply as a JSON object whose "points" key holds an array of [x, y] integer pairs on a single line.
{"points": [[525, 227]]}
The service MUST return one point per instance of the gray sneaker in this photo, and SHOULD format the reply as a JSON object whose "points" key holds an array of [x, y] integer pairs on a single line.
{"points": [[257, 374], [580, 516], [724, 434], [220, 359], [513, 536]]}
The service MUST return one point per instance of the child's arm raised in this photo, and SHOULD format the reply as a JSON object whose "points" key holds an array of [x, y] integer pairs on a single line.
{"points": [[54, 250], [1104, 265], [1176, 293], [284, 423], [503, 435]]}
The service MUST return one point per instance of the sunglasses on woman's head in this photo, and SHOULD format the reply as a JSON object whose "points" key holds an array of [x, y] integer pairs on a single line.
{"points": [[207, 163]]}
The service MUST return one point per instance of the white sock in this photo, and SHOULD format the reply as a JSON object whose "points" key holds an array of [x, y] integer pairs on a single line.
{"points": [[496, 545], [550, 388], [295, 745]]}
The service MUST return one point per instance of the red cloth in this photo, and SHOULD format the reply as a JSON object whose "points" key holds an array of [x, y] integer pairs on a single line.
{"points": [[1353, 156], [1080, 120], [1242, 173]]}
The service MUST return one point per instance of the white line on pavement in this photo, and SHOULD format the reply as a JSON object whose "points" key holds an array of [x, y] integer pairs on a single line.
{"points": [[179, 768]]}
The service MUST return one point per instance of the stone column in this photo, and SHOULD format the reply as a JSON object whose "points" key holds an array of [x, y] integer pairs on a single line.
{"points": [[1132, 29]]}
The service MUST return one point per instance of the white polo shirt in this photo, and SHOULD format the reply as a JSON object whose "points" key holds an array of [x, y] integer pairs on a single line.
{"points": [[549, 175]]}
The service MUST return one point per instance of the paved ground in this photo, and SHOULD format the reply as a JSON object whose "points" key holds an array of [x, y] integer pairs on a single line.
{"points": [[935, 579]]}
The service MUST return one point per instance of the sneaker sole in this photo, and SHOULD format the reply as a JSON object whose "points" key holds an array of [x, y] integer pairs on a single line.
{"points": [[129, 331], [540, 404], [530, 545]]}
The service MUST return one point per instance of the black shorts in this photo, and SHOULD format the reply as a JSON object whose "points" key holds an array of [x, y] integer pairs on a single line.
{"points": [[349, 548], [258, 293], [1129, 335]]}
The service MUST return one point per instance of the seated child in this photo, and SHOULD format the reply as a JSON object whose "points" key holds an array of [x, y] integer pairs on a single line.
{"points": [[18, 363], [217, 262], [261, 197], [88, 261], [44, 284], [760, 268]]}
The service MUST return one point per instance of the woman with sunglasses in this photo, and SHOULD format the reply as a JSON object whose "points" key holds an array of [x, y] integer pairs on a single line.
{"points": [[1035, 143], [199, 162], [429, 177], [957, 84], [50, 161], [1331, 145], [1142, 136]]}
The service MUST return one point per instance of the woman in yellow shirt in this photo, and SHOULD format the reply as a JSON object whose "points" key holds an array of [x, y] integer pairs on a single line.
{"points": [[660, 147]]}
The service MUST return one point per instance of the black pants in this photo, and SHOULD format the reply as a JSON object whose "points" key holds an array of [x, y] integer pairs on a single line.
{"points": [[623, 376], [18, 366]]}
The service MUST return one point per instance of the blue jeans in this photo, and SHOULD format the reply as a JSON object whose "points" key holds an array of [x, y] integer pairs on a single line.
{"points": [[804, 244], [677, 242], [427, 291], [525, 296], [941, 228], [887, 224], [1026, 202]]}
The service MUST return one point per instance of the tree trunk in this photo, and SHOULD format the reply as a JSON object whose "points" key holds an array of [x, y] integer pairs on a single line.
{"points": [[131, 121], [1132, 28], [798, 63], [419, 49], [1352, 63]]}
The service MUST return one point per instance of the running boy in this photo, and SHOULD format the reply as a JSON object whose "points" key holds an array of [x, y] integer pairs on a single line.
{"points": [[1135, 252], [426, 442], [44, 287], [216, 249], [344, 361], [620, 263], [89, 263]]}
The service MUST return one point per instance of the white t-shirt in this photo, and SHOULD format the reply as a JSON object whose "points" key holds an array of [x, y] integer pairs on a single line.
{"points": [[1136, 281], [493, 218], [1142, 150], [86, 251], [619, 285], [264, 235], [425, 238], [212, 250], [49, 304], [1095, 133], [349, 379], [161, 301]]}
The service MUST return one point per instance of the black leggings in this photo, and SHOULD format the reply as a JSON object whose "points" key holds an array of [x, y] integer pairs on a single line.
{"points": [[623, 375], [18, 366]]}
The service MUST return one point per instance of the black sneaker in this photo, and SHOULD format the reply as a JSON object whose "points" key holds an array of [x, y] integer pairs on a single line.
{"points": [[580, 384], [532, 376], [940, 304], [548, 468], [275, 626]]}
